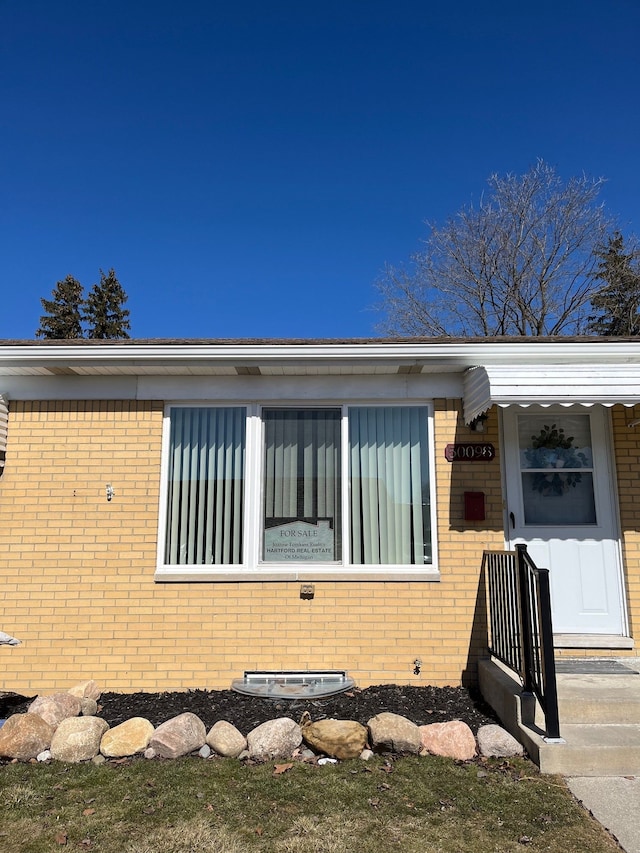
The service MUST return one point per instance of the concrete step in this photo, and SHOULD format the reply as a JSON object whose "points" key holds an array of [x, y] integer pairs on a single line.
{"points": [[599, 721], [593, 750], [604, 699]]}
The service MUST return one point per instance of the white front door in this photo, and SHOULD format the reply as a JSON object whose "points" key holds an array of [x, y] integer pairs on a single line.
{"points": [[560, 502]]}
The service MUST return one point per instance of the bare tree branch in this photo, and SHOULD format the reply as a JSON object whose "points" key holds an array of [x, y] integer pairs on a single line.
{"points": [[519, 263]]}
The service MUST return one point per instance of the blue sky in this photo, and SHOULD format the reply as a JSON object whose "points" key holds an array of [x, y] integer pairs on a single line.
{"points": [[248, 169]]}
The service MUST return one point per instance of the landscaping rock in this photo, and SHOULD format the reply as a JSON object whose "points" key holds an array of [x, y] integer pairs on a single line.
{"points": [[88, 707], [43, 756], [179, 736], [204, 751], [274, 739], [305, 754], [451, 740], [226, 740], [56, 708], [24, 736], [341, 739], [78, 738], [395, 733], [128, 738], [496, 742], [86, 690]]}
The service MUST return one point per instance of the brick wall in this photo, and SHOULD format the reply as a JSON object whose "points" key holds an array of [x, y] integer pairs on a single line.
{"points": [[77, 572]]}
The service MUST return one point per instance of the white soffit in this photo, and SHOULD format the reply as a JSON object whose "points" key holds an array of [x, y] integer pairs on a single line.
{"points": [[548, 385]]}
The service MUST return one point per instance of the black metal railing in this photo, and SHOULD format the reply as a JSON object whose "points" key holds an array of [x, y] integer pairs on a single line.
{"points": [[521, 633]]}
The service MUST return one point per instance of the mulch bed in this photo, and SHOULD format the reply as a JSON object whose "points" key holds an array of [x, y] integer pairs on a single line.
{"points": [[421, 705]]}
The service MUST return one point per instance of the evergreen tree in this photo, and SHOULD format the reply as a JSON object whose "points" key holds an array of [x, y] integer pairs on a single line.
{"points": [[617, 303], [103, 309], [63, 319]]}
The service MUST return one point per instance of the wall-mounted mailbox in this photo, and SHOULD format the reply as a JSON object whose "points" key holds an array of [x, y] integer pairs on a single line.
{"points": [[474, 506]]}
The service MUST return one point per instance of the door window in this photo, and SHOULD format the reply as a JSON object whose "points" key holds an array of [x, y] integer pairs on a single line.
{"points": [[556, 469]]}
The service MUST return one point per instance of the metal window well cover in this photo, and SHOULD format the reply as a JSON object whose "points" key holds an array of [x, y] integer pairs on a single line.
{"points": [[274, 684]]}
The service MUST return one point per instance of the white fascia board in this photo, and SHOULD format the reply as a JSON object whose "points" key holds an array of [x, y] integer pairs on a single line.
{"points": [[331, 388], [437, 356], [297, 388], [319, 355], [72, 388]]}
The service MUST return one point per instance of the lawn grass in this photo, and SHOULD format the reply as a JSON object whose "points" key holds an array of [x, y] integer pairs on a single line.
{"points": [[223, 806]]}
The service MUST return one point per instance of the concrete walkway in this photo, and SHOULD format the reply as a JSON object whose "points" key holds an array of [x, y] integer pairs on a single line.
{"points": [[615, 803]]}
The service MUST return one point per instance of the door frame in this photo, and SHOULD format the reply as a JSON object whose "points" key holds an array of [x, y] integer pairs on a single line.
{"points": [[589, 640]]}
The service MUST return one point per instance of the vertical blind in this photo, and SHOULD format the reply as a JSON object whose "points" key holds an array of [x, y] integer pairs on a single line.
{"points": [[388, 481], [205, 486], [389, 485], [302, 466]]}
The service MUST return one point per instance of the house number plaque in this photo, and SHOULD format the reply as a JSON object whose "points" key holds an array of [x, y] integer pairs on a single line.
{"points": [[476, 452]]}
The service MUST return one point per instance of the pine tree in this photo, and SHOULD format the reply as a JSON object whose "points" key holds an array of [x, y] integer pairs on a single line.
{"points": [[103, 309], [63, 319], [618, 301]]}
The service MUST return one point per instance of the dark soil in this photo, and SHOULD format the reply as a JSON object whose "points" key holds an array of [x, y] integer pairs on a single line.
{"points": [[421, 705]]}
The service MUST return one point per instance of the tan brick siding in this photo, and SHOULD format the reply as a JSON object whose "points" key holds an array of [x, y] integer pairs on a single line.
{"points": [[76, 570]]}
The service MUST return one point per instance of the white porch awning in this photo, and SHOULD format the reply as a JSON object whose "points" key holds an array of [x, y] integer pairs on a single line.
{"points": [[4, 417], [548, 385]]}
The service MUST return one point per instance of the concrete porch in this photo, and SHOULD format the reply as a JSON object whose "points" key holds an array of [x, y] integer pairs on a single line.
{"points": [[599, 720]]}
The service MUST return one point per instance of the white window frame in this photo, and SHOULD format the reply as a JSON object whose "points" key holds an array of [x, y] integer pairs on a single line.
{"points": [[253, 568]]}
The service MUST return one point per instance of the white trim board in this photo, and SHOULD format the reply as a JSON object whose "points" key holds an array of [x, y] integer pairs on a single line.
{"points": [[592, 641]]}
